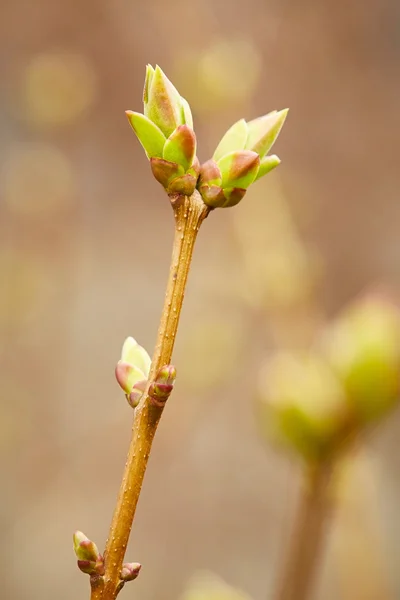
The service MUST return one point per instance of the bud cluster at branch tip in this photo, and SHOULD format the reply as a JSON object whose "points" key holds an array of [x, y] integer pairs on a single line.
{"points": [[165, 131], [316, 403], [240, 159], [90, 561], [132, 370]]}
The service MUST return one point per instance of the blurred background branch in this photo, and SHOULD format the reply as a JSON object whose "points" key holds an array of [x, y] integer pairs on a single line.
{"points": [[329, 219]]}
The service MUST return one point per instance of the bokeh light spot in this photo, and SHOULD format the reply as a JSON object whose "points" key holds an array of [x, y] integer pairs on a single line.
{"points": [[37, 178], [224, 74], [57, 88]]}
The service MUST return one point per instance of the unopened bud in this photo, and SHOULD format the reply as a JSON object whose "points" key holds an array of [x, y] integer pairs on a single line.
{"points": [[130, 571], [162, 101], [134, 366], [84, 548], [166, 134], [87, 566], [180, 147], [263, 132], [161, 388], [136, 393], [240, 159]]}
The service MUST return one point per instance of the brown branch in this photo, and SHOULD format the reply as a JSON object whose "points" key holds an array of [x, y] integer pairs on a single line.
{"points": [[306, 545], [189, 214]]}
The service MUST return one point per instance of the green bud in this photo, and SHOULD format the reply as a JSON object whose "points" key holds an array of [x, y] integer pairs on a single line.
{"points": [[263, 132], [224, 184], [166, 134], [162, 102], [234, 139], [128, 375], [84, 548], [137, 392], [239, 169], [233, 196], [186, 113], [147, 83], [267, 164], [134, 365], [303, 405], [136, 355], [363, 347], [148, 134], [180, 147], [240, 159]]}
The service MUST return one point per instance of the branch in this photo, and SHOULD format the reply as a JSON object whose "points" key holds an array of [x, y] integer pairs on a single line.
{"points": [[308, 538], [189, 213]]}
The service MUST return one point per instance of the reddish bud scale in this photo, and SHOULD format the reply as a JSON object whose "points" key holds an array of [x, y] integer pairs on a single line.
{"points": [[130, 571]]}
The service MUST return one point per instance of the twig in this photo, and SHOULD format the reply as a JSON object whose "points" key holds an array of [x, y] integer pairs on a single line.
{"points": [[189, 214], [308, 538]]}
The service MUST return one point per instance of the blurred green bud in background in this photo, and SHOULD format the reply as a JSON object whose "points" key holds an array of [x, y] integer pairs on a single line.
{"points": [[302, 404], [363, 348], [316, 403]]}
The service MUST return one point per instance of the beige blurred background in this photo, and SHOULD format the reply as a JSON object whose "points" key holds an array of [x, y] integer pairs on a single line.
{"points": [[85, 239]]}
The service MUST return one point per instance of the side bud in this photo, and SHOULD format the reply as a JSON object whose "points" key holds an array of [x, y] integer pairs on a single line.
{"points": [[84, 548], [161, 388], [90, 560], [136, 393], [133, 370], [130, 571]]}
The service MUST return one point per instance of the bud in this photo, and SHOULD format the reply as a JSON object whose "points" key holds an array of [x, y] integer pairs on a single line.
{"points": [[161, 388], [264, 131], [130, 571], [363, 347], [240, 159], [136, 393], [303, 405], [267, 164], [135, 354], [166, 134], [162, 102], [127, 376], [87, 566], [134, 366], [85, 549], [180, 147]]}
